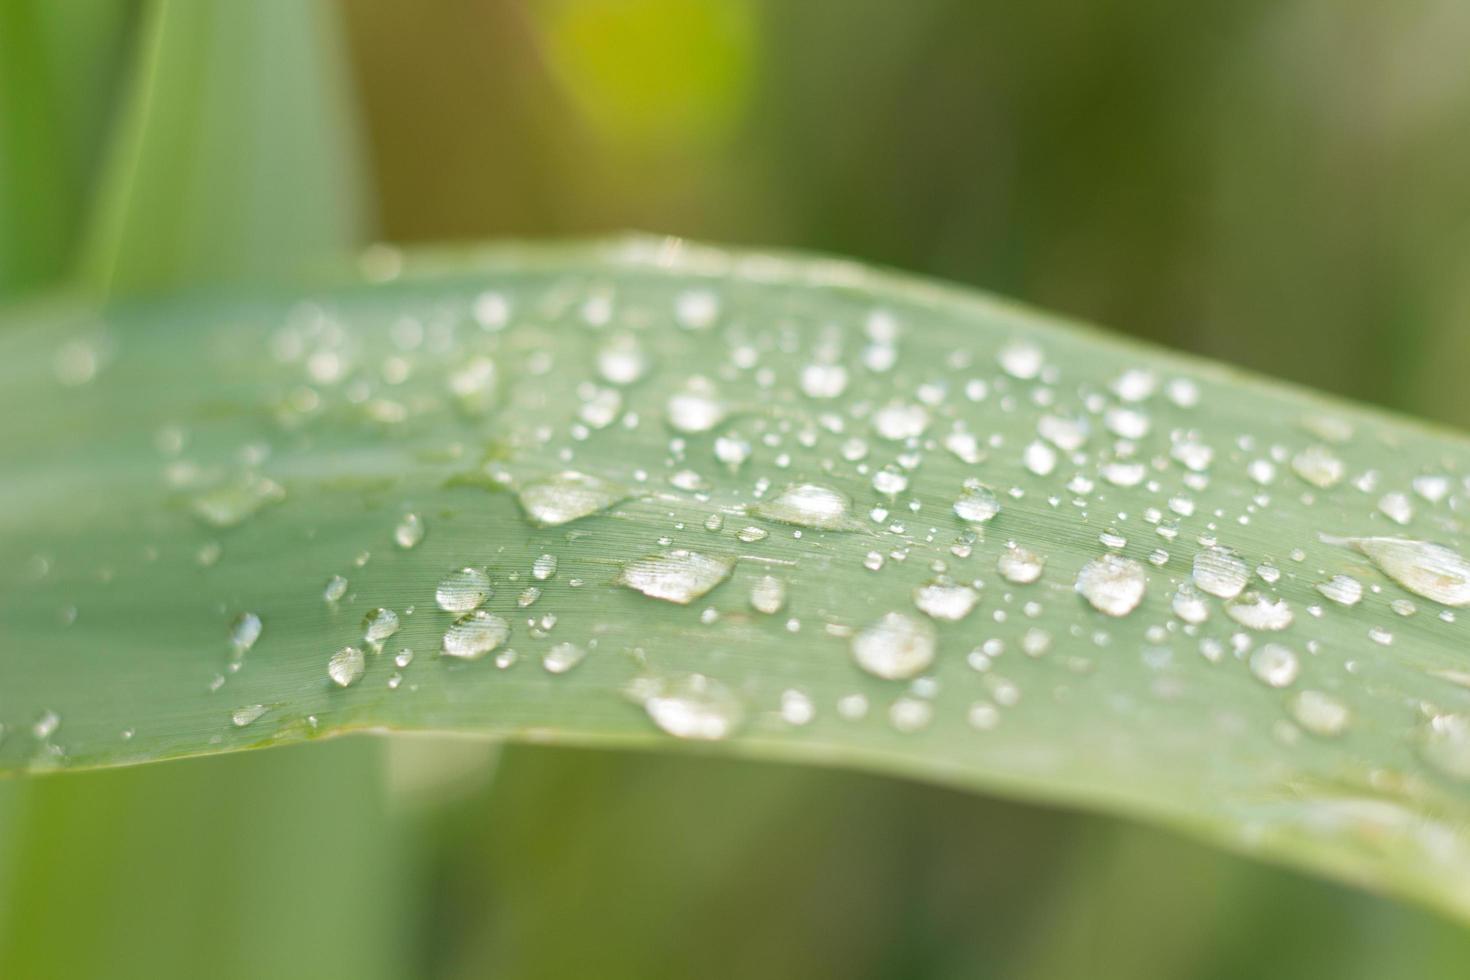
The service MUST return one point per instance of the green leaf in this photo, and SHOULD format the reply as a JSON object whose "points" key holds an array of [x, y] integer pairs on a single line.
{"points": [[236, 158], [803, 450]]}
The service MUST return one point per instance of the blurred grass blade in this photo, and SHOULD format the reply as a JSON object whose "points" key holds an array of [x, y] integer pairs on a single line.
{"points": [[687, 485], [57, 62], [237, 158]]}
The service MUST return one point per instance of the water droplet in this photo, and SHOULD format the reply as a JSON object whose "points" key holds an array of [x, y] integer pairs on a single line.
{"points": [[563, 657], [946, 601], [1274, 665], [900, 420], [809, 505], [1189, 605], [768, 595], [690, 706], [543, 568], [823, 380], [46, 725], [1319, 466], [751, 534], [474, 386], [1342, 589], [335, 589], [676, 576], [235, 502], [977, 504], [346, 666], [697, 408], [1319, 713], [409, 532], [1446, 745], [1114, 585], [1260, 612], [378, 625], [1220, 572], [475, 634], [1432, 488], [796, 708], [896, 647], [1039, 458], [244, 631], [1396, 507], [567, 496], [908, 715], [1020, 360], [621, 361], [243, 716], [1425, 569], [1020, 566], [461, 591]]}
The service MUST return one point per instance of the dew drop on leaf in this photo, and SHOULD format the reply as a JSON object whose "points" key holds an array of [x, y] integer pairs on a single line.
{"points": [[690, 706], [346, 666], [1425, 569], [1274, 665], [768, 595], [1319, 713], [678, 576], [1114, 585], [896, 647], [409, 531], [567, 496], [977, 503], [1019, 565], [378, 625], [946, 601], [563, 657], [1260, 612], [475, 634], [244, 631], [1220, 572], [809, 505], [463, 590]]}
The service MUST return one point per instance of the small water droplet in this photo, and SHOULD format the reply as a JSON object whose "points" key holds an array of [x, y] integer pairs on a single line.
{"points": [[543, 568], [697, 408], [1021, 360], [46, 725], [246, 714], [1114, 585], [1342, 589], [768, 595], [896, 647], [378, 625], [335, 589], [346, 666], [1020, 566], [796, 708], [1260, 612], [563, 657], [823, 380], [678, 576], [1396, 507], [244, 631], [1319, 466]]}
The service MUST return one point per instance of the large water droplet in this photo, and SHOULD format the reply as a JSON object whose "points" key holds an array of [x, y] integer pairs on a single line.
{"points": [[1319, 713], [676, 576], [461, 591], [1275, 665], [946, 601], [475, 634], [1220, 573], [809, 505], [690, 706], [1429, 570], [378, 625], [346, 666], [1020, 566], [896, 647], [234, 502], [977, 504], [563, 657], [1112, 584], [1319, 466], [567, 496], [768, 595], [1260, 612]]}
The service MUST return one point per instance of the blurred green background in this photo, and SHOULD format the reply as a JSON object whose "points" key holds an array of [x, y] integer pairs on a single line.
{"points": [[1277, 184]]}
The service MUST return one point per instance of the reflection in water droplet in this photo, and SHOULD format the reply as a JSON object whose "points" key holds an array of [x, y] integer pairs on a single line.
{"points": [[809, 505], [676, 576], [689, 706], [1114, 585], [461, 591], [1274, 665], [567, 496], [346, 666], [896, 647], [1425, 569], [474, 635]]}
